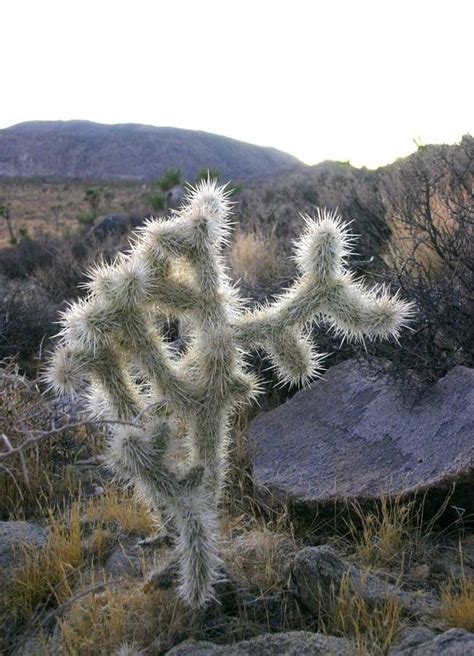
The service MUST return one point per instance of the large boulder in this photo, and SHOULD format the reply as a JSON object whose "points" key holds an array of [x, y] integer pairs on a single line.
{"points": [[294, 643], [359, 435]]}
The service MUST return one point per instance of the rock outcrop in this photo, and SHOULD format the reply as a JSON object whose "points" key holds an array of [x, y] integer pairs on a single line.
{"points": [[319, 572], [357, 435], [294, 643]]}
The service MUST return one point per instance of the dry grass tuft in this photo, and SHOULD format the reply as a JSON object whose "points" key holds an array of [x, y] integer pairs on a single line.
{"points": [[33, 478], [122, 507], [382, 537], [457, 599], [259, 558], [102, 623], [46, 577], [374, 629], [256, 257], [394, 532]]}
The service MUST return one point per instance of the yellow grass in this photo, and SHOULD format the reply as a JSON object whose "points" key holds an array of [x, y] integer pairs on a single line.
{"points": [[259, 557], [374, 629], [457, 600], [123, 507], [383, 536], [255, 257], [47, 576], [99, 624], [393, 532]]}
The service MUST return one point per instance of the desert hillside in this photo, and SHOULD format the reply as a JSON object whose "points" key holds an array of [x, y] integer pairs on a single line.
{"points": [[334, 399], [86, 150]]}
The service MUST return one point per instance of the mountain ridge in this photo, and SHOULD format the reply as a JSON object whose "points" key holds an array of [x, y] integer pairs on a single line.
{"points": [[129, 151]]}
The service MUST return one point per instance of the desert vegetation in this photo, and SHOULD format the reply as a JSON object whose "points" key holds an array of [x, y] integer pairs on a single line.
{"points": [[99, 576]]}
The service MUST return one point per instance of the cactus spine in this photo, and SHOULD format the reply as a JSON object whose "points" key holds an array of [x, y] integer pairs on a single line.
{"points": [[164, 403]]}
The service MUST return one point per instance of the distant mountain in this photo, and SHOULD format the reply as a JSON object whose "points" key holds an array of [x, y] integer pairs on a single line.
{"points": [[86, 150]]}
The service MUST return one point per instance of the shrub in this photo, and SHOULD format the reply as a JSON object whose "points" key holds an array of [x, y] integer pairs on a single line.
{"points": [[157, 202], [172, 178], [431, 255]]}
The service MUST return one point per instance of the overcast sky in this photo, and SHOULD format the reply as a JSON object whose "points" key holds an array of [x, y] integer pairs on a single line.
{"points": [[355, 80]]}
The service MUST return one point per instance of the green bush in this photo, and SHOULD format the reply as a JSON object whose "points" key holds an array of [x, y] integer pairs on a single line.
{"points": [[157, 202], [170, 179]]}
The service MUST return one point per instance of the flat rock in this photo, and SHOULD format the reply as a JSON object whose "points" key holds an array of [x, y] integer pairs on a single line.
{"points": [[455, 642], [294, 643], [14, 536], [357, 435]]}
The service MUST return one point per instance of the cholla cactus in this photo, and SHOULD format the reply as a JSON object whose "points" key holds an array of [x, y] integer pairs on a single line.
{"points": [[166, 405]]}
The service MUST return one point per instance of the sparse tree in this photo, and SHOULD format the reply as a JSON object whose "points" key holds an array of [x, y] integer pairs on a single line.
{"points": [[5, 212]]}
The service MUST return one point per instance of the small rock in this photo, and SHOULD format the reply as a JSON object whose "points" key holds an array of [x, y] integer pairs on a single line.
{"points": [[124, 561], [36, 646], [15, 535], [294, 643], [455, 642], [413, 636], [420, 572]]}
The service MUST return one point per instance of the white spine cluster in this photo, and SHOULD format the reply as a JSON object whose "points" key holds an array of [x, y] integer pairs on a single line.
{"points": [[110, 345]]}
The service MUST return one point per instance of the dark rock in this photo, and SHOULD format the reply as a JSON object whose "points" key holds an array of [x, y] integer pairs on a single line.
{"points": [[356, 435], [318, 573], [14, 536], [294, 643], [116, 224], [413, 636], [455, 642], [124, 560], [164, 578]]}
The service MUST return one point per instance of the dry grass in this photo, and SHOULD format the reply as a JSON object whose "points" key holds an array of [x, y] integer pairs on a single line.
{"points": [[349, 615], [35, 478], [394, 532], [102, 623], [383, 537], [122, 507], [457, 599], [54, 206], [256, 257], [259, 558], [47, 576]]}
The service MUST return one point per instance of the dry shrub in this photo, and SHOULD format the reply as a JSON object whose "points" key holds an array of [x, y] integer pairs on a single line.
{"points": [[101, 623], [256, 257], [429, 199], [260, 558], [38, 476], [27, 317], [122, 507]]}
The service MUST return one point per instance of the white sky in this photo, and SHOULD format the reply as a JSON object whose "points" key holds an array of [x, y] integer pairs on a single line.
{"points": [[354, 80]]}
